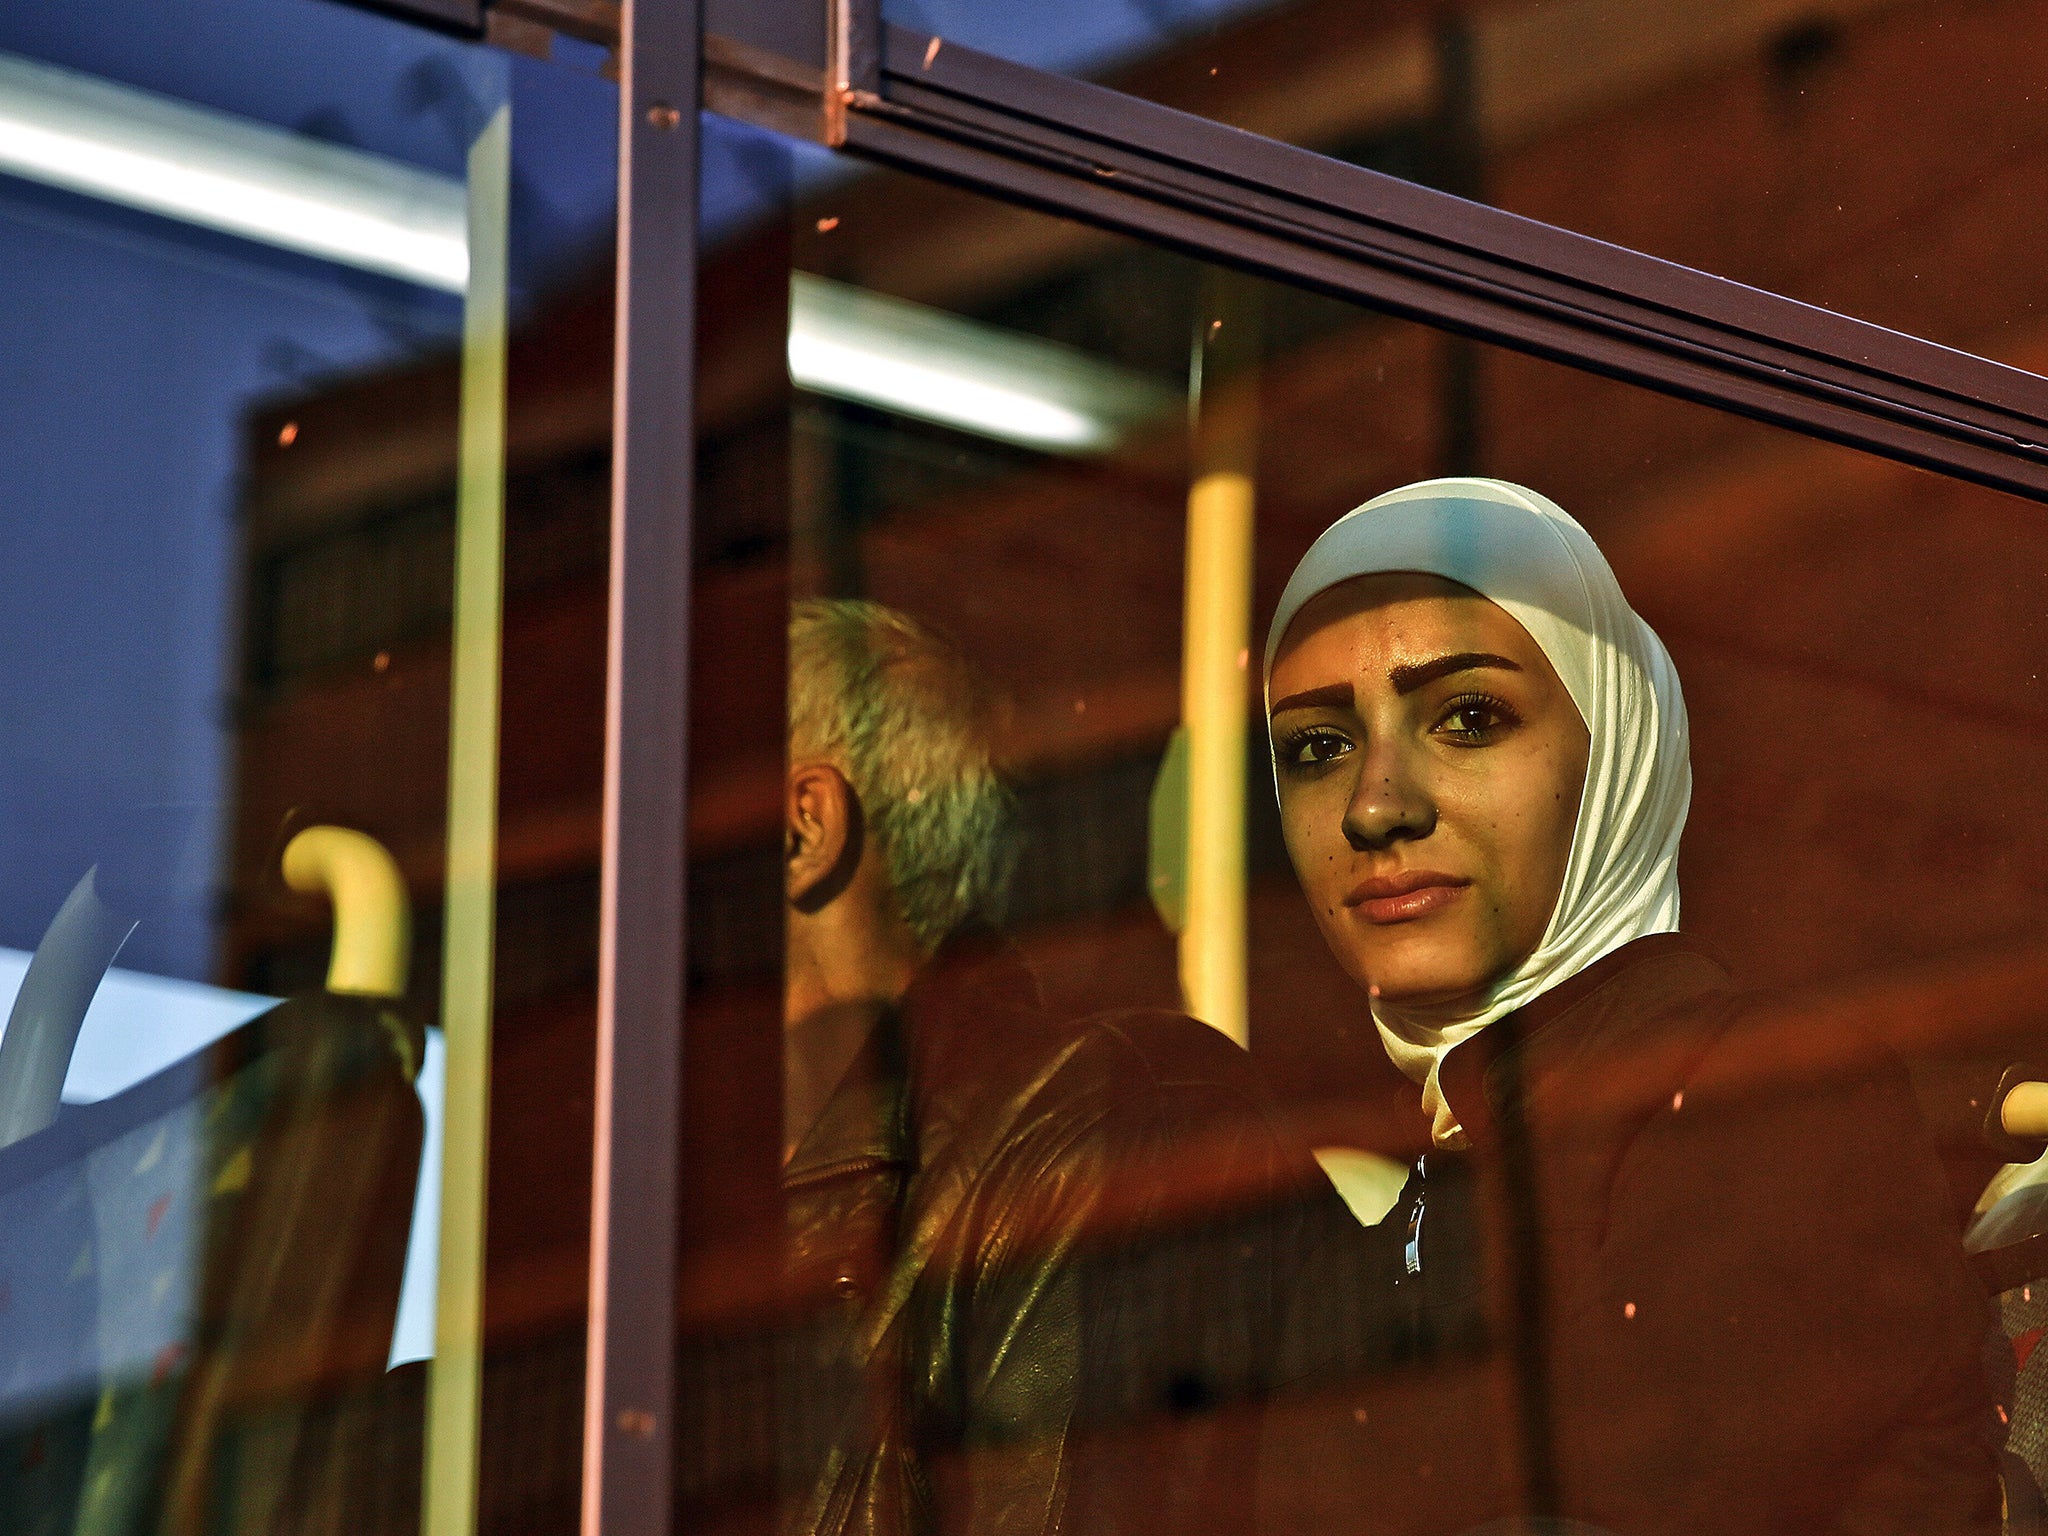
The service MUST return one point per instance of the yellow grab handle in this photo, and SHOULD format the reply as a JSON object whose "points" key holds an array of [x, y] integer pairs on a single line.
{"points": [[372, 914]]}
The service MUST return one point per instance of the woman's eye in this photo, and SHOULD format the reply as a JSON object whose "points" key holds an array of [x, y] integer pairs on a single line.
{"points": [[1476, 722], [1311, 749]]}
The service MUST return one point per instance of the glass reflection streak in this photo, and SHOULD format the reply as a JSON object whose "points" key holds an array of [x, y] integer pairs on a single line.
{"points": [[905, 357]]}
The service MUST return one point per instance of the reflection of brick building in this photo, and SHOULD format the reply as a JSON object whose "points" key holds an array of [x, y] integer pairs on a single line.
{"points": [[1857, 640], [1033, 564], [349, 576], [1864, 714]]}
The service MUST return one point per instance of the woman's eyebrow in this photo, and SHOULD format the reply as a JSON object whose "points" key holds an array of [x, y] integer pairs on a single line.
{"points": [[1408, 678], [1336, 695]]}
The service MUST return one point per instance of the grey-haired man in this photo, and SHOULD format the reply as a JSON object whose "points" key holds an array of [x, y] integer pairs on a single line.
{"points": [[1044, 1262]]}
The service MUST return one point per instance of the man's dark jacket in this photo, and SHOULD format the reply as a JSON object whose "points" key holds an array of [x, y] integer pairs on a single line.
{"points": [[1050, 1260], [1696, 1274]]}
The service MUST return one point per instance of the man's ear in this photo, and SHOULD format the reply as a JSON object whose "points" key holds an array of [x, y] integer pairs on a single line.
{"points": [[822, 834]]}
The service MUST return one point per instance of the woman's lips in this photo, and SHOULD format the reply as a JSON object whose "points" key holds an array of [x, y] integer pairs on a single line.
{"points": [[1405, 896]]}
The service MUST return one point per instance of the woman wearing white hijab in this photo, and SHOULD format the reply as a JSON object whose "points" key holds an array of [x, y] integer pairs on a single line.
{"points": [[1715, 1305]]}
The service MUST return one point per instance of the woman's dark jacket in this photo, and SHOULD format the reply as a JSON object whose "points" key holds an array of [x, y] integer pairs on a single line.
{"points": [[1696, 1273], [1048, 1263]]}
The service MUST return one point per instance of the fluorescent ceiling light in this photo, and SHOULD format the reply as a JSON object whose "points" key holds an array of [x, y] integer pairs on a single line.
{"points": [[151, 152], [922, 362]]}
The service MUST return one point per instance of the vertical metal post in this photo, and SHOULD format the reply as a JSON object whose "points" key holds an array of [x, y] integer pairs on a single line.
{"points": [[628, 1407]]}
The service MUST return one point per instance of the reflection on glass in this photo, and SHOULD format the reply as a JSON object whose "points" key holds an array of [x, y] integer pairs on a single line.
{"points": [[934, 367], [1735, 138], [243, 250], [146, 151], [1609, 1208]]}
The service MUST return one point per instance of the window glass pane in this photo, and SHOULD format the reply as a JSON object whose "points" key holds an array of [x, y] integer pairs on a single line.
{"points": [[1872, 158], [1676, 1239], [303, 485]]}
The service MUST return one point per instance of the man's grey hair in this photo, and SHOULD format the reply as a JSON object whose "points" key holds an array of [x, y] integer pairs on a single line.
{"points": [[903, 715]]}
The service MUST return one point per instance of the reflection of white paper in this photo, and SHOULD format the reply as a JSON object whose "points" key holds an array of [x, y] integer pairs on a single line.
{"points": [[412, 1337], [139, 1024]]}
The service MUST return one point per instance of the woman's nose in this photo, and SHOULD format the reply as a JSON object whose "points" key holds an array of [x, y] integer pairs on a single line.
{"points": [[1388, 805]]}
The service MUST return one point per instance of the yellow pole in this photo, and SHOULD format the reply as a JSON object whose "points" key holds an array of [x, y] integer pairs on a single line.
{"points": [[455, 1380], [1216, 639], [1216, 650]]}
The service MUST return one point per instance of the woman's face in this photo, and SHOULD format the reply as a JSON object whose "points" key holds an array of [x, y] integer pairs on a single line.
{"points": [[1430, 767]]}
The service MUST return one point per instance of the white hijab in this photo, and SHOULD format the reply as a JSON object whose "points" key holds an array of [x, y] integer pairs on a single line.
{"points": [[1527, 555]]}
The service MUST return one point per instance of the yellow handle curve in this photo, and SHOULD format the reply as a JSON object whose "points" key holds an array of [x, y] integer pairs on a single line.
{"points": [[372, 914]]}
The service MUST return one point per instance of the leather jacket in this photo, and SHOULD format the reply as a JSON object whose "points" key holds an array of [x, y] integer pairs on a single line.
{"points": [[1696, 1273], [1048, 1263]]}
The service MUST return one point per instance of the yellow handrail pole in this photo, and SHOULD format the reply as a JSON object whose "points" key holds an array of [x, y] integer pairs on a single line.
{"points": [[372, 914], [1216, 653], [1214, 700], [455, 1375]]}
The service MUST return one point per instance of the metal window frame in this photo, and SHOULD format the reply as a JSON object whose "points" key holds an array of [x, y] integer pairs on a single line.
{"points": [[460, 18], [1093, 154], [630, 1367], [1096, 155]]}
